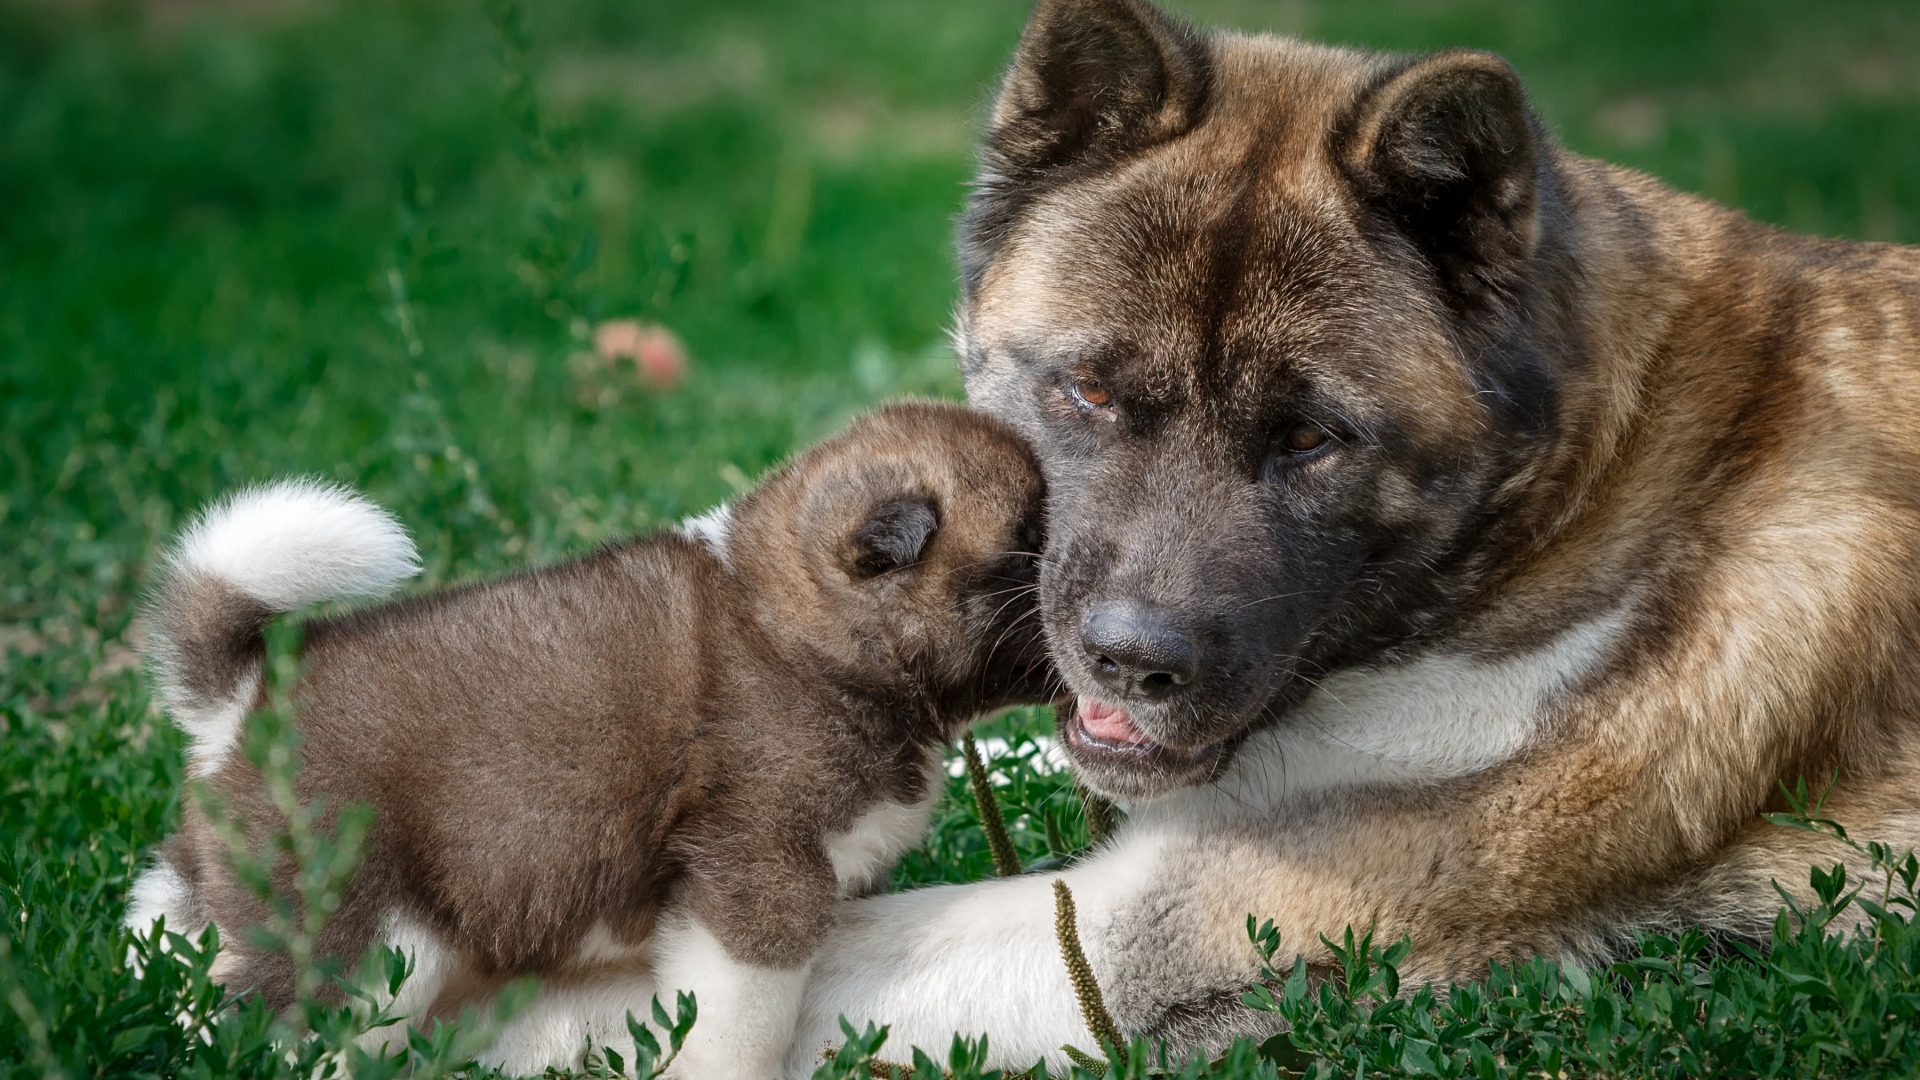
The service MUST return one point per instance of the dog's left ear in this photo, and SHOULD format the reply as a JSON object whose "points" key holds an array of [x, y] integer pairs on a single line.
{"points": [[895, 535], [1445, 149]]}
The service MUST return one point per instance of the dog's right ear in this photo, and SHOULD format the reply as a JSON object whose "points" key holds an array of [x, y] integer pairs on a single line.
{"points": [[1094, 80], [1096, 77], [895, 535]]}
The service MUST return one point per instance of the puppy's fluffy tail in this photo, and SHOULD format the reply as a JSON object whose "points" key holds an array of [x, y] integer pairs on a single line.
{"points": [[261, 551]]}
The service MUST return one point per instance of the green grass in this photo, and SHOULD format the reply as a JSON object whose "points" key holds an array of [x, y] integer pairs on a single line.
{"points": [[343, 239]]}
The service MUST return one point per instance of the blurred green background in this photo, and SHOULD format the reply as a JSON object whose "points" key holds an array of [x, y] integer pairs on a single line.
{"points": [[371, 240], [364, 239]]}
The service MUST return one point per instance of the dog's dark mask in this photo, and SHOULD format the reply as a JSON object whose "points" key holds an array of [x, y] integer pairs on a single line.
{"points": [[1271, 340]]}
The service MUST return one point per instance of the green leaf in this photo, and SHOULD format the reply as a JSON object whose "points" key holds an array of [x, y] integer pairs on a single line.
{"points": [[1417, 1056], [1285, 1053], [686, 1011], [1576, 977], [646, 1047]]}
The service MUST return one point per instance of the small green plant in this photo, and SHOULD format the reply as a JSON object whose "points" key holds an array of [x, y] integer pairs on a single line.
{"points": [[1086, 989], [1005, 862], [1099, 814], [561, 240], [857, 1059], [1009, 807], [1899, 872], [649, 1063]]}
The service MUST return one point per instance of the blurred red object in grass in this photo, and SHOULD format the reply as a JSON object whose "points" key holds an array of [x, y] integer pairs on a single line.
{"points": [[656, 351]]}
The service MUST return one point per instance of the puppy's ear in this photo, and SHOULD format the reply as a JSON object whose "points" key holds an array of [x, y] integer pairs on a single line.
{"points": [[1445, 150], [895, 534]]}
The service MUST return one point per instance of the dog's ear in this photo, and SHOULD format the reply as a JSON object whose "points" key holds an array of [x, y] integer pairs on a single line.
{"points": [[894, 535], [1096, 76], [1445, 149], [1093, 80]]}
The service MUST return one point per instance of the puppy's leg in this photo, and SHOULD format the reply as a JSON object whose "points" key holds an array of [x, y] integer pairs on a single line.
{"points": [[434, 963], [244, 968], [162, 890], [746, 1010]]}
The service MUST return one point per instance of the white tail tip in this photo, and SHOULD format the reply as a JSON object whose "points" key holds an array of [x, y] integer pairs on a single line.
{"points": [[297, 542]]}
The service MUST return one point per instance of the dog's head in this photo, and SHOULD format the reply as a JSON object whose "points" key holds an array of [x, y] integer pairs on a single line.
{"points": [[1269, 314], [900, 557]]}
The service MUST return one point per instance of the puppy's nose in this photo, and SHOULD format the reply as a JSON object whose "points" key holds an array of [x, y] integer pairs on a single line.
{"points": [[1139, 651]]}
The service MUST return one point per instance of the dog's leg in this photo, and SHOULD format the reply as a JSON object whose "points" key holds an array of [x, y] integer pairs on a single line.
{"points": [[746, 1012], [1736, 894], [975, 959], [571, 1014], [971, 959]]}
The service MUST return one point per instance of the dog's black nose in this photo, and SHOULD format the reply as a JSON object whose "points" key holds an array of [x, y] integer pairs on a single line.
{"points": [[1139, 651]]}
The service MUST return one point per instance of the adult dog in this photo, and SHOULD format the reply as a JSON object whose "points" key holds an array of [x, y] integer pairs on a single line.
{"points": [[1450, 534]]}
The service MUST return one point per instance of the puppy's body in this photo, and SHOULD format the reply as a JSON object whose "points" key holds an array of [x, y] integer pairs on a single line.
{"points": [[659, 753]]}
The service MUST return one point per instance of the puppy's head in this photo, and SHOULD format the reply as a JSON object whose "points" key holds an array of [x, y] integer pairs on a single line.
{"points": [[900, 558]]}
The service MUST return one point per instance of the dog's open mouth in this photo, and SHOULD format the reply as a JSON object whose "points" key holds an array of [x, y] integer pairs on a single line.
{"points": [[1104, 733]]}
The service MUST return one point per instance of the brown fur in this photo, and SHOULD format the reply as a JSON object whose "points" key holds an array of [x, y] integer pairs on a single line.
{"points": [[1557, 388], [652, 725]]}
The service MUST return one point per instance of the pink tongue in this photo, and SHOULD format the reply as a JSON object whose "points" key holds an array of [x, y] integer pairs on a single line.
{"points": [[1110, 722]]}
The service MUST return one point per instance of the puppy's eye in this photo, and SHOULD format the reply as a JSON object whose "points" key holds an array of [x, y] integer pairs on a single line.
{"points": [[1093, 395], [1305, 438]]}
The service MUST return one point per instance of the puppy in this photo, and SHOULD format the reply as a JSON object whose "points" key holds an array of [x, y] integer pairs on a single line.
{"points": [[681, 749]]}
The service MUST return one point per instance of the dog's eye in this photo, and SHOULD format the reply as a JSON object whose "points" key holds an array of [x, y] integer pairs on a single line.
{"points": [[1305, 438], [1092, 394]]}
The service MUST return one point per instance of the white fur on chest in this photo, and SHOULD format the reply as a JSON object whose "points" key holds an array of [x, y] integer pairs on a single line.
{"points": [[863, 854], [1435, 718]]}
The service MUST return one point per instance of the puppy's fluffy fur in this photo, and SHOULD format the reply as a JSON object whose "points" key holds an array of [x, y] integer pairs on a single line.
{"points": [[682, 747]]}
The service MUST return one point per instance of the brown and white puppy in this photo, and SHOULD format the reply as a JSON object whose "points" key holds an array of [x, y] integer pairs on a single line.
{"points": [[677, 752], [1449, 534]]}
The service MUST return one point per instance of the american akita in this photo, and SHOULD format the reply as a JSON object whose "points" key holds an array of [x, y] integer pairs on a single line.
{"points": [[1449, 534], [672, 753]]}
